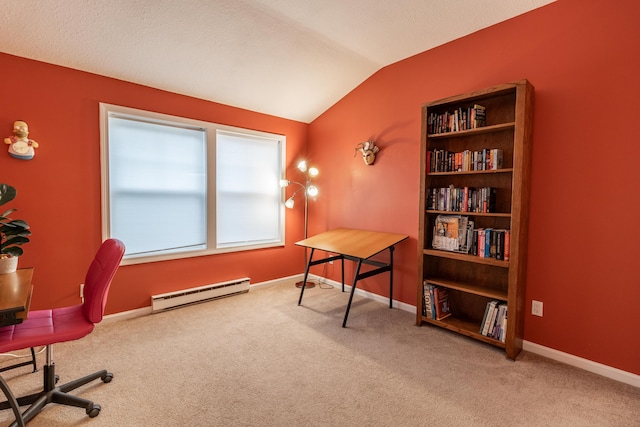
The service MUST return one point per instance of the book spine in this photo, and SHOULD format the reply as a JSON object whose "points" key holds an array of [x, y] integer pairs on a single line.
{"points": [[507, 245], [487, 242], [500, 244]]}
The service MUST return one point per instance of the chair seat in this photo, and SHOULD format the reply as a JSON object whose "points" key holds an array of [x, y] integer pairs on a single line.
{"points": [[45, 327]]}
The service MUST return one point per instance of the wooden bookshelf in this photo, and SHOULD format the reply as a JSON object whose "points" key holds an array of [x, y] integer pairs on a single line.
{"points": [[473, 281]]}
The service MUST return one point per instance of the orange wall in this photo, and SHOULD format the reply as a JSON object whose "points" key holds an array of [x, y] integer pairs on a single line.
{"points": [[59, 190], [583, 59]]}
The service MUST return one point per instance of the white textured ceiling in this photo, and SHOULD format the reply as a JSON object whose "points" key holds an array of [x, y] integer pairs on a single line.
{"points": [[289, 58]]}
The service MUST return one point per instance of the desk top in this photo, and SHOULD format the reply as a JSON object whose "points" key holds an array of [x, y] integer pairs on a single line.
{"points": [[15, 292], [361, 244]]}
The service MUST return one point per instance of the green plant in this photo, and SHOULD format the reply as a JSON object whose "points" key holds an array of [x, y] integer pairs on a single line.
{"points": [[13, 232]]}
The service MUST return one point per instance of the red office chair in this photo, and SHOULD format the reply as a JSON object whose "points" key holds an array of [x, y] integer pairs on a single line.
{"points": [[47, 327]]}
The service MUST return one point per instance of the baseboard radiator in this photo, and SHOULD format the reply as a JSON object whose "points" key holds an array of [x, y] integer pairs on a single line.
{"points": [[185, 297]]}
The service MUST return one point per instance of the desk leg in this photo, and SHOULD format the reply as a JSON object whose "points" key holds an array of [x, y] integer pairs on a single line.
{"points": [[391, 248], [353, 290], [306, 274], [342, 259]]}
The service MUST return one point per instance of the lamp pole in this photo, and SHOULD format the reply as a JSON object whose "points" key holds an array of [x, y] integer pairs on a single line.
{"points": [[309, 190]]}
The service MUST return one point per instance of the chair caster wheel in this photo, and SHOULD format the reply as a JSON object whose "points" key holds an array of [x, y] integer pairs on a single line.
{"points": [[107, 378], [93, 411]]}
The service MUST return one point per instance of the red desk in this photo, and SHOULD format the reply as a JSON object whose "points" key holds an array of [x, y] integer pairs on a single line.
{"points": [[354, 245]]}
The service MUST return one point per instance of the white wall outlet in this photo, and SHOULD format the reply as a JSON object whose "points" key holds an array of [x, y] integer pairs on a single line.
{"points": [[82, 290], [536, 308]]}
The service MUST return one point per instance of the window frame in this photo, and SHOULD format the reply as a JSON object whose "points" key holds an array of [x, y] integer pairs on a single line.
{"points": [[210, 129]]}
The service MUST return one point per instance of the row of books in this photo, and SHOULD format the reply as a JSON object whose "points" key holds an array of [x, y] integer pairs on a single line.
{"points": [[456, 120], [456, 233], [462, 199], [494, 323], [491, 243], [436, 301], [464, 161]]}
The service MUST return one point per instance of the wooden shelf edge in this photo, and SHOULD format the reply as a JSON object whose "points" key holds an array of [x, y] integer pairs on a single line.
{"points": [[489, 214], [476, 131], [471, 289], [464, 328], [484, 172], [466, 258]]}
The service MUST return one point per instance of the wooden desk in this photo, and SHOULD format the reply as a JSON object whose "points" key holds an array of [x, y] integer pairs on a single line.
{"points": [[357, 246], [15, 296]]}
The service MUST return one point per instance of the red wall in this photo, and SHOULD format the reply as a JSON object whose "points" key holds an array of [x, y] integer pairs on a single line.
{"points": [[583, 59], [59, 190]]}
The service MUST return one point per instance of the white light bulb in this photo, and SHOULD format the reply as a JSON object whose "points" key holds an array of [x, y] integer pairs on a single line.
{"points": [[289, 203], [312, 191], [313, 172]]}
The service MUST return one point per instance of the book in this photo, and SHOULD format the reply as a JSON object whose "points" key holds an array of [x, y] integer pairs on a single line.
{"points": [[487, 312], [445, 233], [507, 245], [489, 318], [496, 158], [500, 244], [478, 113], [441, 297], [487, 242], [499, 325], [428, 309]]}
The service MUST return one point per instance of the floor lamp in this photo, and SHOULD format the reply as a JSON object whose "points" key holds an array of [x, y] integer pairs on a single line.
{"points": [[307, 190]]}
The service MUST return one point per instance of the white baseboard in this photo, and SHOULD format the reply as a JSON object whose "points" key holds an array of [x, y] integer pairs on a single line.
{"points": [[579, 362], [569, 359]]}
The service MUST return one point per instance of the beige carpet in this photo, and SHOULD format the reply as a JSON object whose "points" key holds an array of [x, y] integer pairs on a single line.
{"points": [[258, 359]]}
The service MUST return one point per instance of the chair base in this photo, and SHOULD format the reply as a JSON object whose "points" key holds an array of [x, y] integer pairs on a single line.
{"points": [[55, 394]]}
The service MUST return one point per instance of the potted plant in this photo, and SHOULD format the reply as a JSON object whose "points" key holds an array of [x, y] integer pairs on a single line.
{"points": [[13, 233]]}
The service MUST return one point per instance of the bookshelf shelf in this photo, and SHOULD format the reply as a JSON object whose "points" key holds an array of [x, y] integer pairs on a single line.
{"points": [[472, 289], [466, 258], [504, 170], [463, 327], [487, 214], [477, 131], [473, 281]]}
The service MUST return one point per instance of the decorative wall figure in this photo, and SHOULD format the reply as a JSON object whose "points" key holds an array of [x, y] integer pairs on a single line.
{"points": [[20, 146], [368, 150]]}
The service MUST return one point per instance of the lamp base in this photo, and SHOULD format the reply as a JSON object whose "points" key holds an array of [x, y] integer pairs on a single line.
{"points": [[307, 286]]}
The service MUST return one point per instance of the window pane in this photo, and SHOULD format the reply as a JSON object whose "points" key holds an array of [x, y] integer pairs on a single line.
{"points": [[248, 205], [157, 185]]}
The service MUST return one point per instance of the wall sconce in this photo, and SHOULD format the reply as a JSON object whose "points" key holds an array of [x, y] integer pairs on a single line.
{"points": [[308, 190], [368, 150]]}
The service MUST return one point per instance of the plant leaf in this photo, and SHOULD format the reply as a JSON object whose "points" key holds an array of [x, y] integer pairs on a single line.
{"points": [[7, 193]]}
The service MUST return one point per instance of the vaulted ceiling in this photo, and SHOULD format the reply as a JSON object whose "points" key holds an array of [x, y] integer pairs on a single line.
{"points": [[288, 58]]}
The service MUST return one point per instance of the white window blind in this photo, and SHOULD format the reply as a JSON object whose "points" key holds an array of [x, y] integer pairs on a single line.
{"points": [[177, 187], [249, 194]]}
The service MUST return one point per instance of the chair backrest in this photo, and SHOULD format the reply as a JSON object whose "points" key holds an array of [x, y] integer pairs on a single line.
{"points": [[99, 277]]}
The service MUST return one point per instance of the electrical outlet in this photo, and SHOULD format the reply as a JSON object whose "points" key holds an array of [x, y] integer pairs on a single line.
{"points": [[81, 290], [536, 308]]}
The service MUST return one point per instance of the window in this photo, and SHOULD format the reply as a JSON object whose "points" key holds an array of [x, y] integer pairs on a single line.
{"points": [[175, 187]]}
